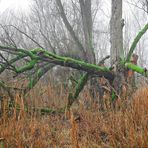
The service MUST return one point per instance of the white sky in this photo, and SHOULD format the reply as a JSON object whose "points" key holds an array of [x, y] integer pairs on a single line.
{"points": [[14, 4]]}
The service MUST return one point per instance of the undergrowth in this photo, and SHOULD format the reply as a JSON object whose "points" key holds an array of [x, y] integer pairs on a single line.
{"points": [[127, 126]]}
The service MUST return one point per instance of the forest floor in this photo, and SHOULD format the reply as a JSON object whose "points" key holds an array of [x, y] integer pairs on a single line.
{"points": [[126, 126]]}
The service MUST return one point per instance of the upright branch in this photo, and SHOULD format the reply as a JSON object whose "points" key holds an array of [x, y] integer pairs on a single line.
{"points": [[135, 42]]}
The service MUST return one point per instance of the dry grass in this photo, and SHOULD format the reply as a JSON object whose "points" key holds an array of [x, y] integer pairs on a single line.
{"points": [[125, 127]]}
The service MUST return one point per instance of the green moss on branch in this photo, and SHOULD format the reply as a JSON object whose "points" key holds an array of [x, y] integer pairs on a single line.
{"points": [[27, 67], [40, 72], [137, 69], [79, 87], [135, 42]]}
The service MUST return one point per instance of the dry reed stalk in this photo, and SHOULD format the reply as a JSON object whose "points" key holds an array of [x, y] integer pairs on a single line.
{"points": [[15, 108], [4, 108], [67, 113], [74, 131], [22, 107]]}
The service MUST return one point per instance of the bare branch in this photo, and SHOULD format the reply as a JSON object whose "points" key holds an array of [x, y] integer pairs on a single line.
{"points": [[27, 36]]}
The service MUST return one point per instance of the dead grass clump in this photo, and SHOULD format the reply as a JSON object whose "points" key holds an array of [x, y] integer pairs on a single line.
{"points": [[125, 127]]}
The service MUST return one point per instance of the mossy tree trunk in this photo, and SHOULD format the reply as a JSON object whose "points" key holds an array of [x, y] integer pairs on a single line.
{"points": [[116, 51]]}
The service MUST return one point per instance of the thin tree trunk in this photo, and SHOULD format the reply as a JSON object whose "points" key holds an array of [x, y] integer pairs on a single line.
{"points": [[116, 34], [116, 51], [70, 29], [86, 14]]}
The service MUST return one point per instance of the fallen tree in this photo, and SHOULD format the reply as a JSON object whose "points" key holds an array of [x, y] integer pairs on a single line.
{"points": [[39, 61]]}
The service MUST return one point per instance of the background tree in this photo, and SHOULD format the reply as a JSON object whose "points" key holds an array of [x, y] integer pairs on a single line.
{"points": [[116, 31]]}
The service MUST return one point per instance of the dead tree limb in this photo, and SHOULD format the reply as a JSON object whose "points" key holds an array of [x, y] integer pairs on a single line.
{"points": [[39, 55]]}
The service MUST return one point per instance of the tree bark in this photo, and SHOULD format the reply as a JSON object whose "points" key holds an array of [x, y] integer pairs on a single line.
{"points": [[116, 34], [86, 14], [116, 51], [146, 1]]}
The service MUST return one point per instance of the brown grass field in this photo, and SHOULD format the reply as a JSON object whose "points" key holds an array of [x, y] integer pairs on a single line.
{"points": [[127, 126]]}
